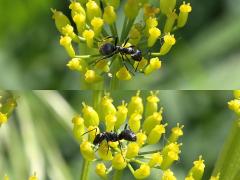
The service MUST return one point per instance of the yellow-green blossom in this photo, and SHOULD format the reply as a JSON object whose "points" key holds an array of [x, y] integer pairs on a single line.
{"points": [[185, 9]]}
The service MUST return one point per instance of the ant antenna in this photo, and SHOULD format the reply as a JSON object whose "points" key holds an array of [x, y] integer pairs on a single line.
{"points": [[90, 131]]}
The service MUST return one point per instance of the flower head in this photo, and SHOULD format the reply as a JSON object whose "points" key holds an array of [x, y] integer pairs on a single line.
{"points": [[115, 137], [93, 20]]}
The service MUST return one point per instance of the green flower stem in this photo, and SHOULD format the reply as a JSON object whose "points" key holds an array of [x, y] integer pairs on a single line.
{"points": [[117, 175], [113, 30], [149, 152], [85, 169], [130, 168], [97, 95], [155, 54], [115, 81], [229, 160], [87, 56], [137, 161], [127, 29]]}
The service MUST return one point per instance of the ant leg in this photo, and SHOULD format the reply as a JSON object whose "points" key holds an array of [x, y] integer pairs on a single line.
{"points": [[104, 57], [126, 65], [90, 131], [125, 127], [137, 66], [116, 41]]}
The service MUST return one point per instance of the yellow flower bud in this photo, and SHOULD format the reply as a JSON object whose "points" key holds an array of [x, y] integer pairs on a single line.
{"points": [[134, 36], [176, 133], [135, 105], [168, 175], [34, 177], [104, 151], [141, 139], [154, 65], [140, 65], [236, 94], [119, 162], [97, 24], [156, 160], [110, 121], [3, 118], [154, 34], [101, 169], [107, 107], [217, 177], [77, 64], [156, 133], [234, 105], [123, 74], [152, 103], [113, 144], [185, 9], [65, 41], [151, 121], [93, 131], [87, 151], [135, 122], [103, 65], [142, 172], [89, 35], [114, 3], [6, 177], [198, 169], [121, 115], [68, 31], [167, 6], [93, 10], [78, 127], [150, 11], [189, 177], [151, 22], [92, 77], [171, 17], [80, 21], [170, 154], [109, 15], [90, 116], [60, 20], [132, 150], [131, 9], [169, 41], [76, 9]]}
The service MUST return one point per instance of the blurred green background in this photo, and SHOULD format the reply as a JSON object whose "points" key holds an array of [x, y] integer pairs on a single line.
{"points": [[38, 136], [206, 55]]}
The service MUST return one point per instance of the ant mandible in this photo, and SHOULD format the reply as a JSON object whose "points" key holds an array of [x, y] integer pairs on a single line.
{"points": [[125, 134]]}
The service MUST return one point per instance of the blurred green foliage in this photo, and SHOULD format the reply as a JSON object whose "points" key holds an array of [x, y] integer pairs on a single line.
{"points": [[38, 137], [205, 56]]}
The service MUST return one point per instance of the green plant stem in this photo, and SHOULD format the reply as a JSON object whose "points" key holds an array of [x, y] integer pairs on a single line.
{"points": [[229, 160], [85, 169], [155, 54], [117, 175], [149, 152], [127, 29], [124, 27], [115, 82], [97, 95], [87, 56]]}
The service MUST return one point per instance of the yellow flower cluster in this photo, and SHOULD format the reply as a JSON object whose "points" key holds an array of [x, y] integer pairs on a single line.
{"points": [[7, 105], [234, 104], [142, 119], [97, 23]]}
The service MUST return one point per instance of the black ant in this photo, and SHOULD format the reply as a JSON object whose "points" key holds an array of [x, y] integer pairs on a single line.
{"points": [[109, 49], [125, 134]]}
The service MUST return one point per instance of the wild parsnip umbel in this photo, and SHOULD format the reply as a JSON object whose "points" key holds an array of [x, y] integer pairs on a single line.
{"points": [[97, 22], [145, 120]]}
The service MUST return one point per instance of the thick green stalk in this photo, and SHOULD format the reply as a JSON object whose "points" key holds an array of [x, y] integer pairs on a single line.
{"points": [[228, 163], [114, 81], [97, 94], [85, 169]]}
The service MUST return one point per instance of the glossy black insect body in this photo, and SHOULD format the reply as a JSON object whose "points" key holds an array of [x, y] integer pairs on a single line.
{"points": [[108, 50], [126, 134]]}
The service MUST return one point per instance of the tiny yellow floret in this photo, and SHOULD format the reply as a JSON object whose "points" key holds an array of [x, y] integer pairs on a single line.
{"points": [[142, 172], [123, 74]]}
